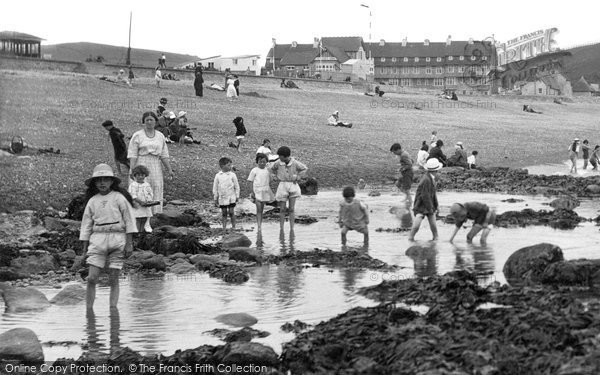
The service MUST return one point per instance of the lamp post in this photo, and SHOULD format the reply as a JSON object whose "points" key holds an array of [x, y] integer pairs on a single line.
{"points": [[369, 49]]}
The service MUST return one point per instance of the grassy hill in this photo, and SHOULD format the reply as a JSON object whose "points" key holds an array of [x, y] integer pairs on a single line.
{"points": [[584, 62], [112, 54]]}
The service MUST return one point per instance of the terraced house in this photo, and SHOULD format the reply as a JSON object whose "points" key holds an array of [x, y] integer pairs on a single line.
{"points": [[461, 66]]}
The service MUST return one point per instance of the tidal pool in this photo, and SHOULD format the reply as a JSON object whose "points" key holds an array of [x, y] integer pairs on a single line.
{"points": [[161, 315]]}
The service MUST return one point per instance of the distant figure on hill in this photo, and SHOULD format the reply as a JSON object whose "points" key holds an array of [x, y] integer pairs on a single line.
{"points": [[437, 153], [459, 158], [527, 108], [574, 154], [162, 61], [157, 76], [231, 91], [236, 84], [122, 79], [131, 75], [198, 81], [334, 120], [379, 92]]}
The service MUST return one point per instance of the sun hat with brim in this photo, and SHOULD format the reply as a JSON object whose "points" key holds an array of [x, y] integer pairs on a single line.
{"points": [[102, 170], [181, 114], [575, 139], [433, 165], [459, 143], [171, 115]]}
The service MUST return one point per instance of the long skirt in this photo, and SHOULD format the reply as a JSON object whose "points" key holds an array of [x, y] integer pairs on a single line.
{"points": [[155, 179]]}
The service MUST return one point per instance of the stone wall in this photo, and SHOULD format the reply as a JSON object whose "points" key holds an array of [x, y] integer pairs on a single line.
{"points": [[28, 63]]}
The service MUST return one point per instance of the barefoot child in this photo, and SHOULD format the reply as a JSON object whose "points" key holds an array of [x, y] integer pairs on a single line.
{"points": [[426, 203], [141, 193], [288, 171], [261, 191], [106, 230], [481, 215], [226, 191], [354, 215], [240, 132]]}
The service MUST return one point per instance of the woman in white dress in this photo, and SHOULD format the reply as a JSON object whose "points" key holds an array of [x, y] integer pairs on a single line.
{"points": [[231, 93], [148, 147]]}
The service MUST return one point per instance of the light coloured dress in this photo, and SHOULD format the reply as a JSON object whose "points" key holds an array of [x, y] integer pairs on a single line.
{"points": [[149, 151], [144, 193], [226, 188], [260, 184], [231, 93]]}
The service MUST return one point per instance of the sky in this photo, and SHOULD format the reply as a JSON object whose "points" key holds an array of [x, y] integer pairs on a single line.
{"points": [[238, 27]]}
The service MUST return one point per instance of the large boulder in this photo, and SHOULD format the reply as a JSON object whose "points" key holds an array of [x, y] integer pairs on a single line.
{"points": [[571, 272], [23, 299], [247, 353], [237, 319], [182, 268], [71, 294], [22, 345], [188, 218], [34, 264], [245, 254], [203, 261], [527, 265], [566, 203], [594, 189], [236, 240], [55, 223], [156, 262]]}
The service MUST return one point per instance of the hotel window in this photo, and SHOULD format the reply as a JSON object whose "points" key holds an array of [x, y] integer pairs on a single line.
{"points": [[290, 67], [428, 59], [539, 91], [451, 80], [393, 59], [438, 82], [461, 58], [405, 59], [473, 57], [416, 70], [461, 69], [419, 82], [438, 59], [428, 70], [450, 58], [484, 57], [383, 59], [450, 69], [416, 59], [439, 70], [395, 70], [381, 71], [393, 81], [254, 62], [405, 70], [405, 82]]}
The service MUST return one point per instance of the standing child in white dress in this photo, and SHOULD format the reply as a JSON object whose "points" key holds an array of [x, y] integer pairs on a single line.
{"points": [[226, 191], [142, 195], [231, 92], [261, 191]]}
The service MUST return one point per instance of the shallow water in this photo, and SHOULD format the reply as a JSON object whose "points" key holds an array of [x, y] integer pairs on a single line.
{"points": [[160, 315], [562, 169]]}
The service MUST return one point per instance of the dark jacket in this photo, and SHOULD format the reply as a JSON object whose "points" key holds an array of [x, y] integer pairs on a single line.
{"points": [[459, 159], [436, 152], [426, 198], [118, 141]]}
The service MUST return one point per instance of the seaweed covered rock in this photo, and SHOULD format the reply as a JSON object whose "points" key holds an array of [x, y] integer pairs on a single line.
{"points": [[572, 272], [235, 240], [188, 218], [527, 264], [23, 299], [247, 353], [558, 219], [22, 346]]}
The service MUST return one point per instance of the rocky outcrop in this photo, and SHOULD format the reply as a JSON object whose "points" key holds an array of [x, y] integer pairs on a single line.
{"points": [[34, 264], [527, 265], [245, 254], [584, 272], [235, 240], [182, 267], [71, 294], [23, 299], [237, 319], [21, 345], [247, 353], [558, 219]]}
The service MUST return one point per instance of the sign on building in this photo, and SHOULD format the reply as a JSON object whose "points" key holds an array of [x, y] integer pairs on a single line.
{"points": [[526, 46]]}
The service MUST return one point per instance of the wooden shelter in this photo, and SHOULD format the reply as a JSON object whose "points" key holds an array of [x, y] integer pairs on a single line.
{"points": [[14, 43]]}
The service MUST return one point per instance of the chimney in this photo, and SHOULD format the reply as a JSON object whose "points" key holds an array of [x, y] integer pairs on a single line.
{"points": [[404, 41], [294, 44], [316, 43], [470, 40], [449, 40], [382, 42], [426, 42]]}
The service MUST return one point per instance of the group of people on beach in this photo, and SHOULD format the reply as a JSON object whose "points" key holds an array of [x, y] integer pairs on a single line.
{"points": [[589, 156]]}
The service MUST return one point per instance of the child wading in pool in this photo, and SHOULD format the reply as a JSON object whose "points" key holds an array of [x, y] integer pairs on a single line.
{"points": [[288, 171], [426, 203], [354, 215], [226, 191], [106, 230], [261, 191]]}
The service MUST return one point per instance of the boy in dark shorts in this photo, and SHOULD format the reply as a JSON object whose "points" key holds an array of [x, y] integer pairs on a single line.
{"points": [[118, 141], [481, 215], [405, 179]]}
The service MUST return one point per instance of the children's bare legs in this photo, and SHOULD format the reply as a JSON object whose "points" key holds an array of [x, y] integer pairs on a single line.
{"points": [[476, 229], [366, 237], [433, 226], [259, 213], [239, 145], [344, 231], [291, 213], [282, 209], [140, 222], [417, 223], [232, 217], [113, 281], [92, 280], [224, 217]]}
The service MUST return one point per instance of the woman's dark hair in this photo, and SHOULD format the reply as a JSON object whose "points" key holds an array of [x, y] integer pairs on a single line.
{"points": [[265, 141], [115, 186], [424, 146], [238, 120], [574, 146], [440, 143], [260, 155], [149, 114]]}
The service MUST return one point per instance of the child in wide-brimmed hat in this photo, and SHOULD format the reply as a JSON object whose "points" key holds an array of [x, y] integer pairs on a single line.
{"points": [[426, 203], [106, 230]]}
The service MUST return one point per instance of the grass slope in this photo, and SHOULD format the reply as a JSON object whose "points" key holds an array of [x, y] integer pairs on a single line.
{"points": [[65, 111], [584, 62], [113, 54]]}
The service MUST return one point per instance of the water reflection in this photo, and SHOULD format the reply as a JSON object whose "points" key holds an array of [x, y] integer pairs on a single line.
{"points": [[286, 247], [148, 298], [424, 258], [94, 331]]}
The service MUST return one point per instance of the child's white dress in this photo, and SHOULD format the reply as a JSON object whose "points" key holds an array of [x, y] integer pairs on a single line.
{"points": [[142, 192]]}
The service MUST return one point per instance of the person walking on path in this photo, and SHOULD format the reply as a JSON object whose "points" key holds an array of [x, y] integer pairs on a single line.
{"points": [[426, 203]]}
